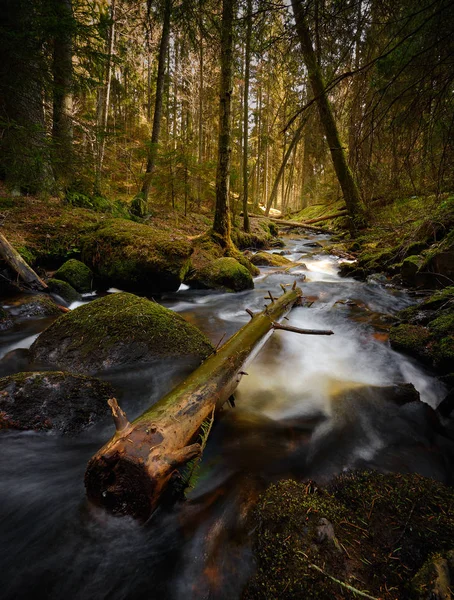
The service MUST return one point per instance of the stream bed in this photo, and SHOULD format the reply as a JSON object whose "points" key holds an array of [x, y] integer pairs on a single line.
{"points": [[307, 409]]}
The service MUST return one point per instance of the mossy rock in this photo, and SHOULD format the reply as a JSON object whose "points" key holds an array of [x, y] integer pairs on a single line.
{"points": [[37, 305], [428, 333], [117, 330], [52, 400], [411, 339], [263, 259], [77, 274], [367, 531], [64, 290], [225, 274], [135, 257]]}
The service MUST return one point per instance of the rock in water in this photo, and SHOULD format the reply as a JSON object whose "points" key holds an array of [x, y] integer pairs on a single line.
{"points": [[137, 258], [225, 274], [52, 400], [78, 275], [119, 329], [263, 259], [64, 290]]}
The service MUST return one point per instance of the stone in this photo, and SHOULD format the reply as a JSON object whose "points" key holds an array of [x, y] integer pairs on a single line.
{"points": [[77, 274], [52, 400], [64, 290], [225, 274], [117, 330], [135, 257]]}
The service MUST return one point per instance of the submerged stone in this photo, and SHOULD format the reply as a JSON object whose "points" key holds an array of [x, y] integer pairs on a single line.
{"points": [[119, 329], [52, 400], [136, 257], [33, 305], [77, 274]]}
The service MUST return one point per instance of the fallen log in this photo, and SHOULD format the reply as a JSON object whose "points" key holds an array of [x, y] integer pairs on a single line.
{"points": [[341, 213], [296, 224], [130, 472], [14, 260]]}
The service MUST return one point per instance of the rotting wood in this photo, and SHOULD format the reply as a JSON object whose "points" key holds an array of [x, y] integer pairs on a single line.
{"points": [[128, 475], [12, 257]]}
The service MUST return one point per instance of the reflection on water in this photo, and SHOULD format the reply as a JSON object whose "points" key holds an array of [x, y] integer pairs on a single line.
{"points": [[310, 406]]}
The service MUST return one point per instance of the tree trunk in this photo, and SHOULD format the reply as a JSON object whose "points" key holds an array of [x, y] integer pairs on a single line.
{"points": [[247, 61], [24, 149], [151, 162], [62, 71], [344, 174], [296, 138], [12, 257], [130, 472], [221, 225], [104, 101]]}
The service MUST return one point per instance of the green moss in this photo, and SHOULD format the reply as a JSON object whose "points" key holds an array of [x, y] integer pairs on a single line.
{"points": [[370, 531], [263, 259], [225, 274], [118, 329], [63, 289], [136, 257], [440, 298], [78, 275], [27, 254], [411, 339], [443, 325]]}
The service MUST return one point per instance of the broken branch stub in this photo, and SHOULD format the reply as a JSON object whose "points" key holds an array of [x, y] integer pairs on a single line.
{"points": [[128, 475]]}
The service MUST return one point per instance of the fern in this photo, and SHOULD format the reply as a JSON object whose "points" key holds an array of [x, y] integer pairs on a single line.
{"points": [[191, 471]]}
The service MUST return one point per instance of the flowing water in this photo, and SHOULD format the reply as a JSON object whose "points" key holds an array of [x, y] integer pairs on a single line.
{"points": [[306, 409]]}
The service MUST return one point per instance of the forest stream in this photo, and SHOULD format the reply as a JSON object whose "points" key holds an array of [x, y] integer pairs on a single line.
{"points": [[306, 409]]}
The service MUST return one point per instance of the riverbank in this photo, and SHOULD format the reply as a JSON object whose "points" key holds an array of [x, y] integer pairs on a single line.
{"points": [[308, 410]]}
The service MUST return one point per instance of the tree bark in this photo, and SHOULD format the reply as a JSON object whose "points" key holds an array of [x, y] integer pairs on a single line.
{"points": [[221, 224], [62, 71], [130, 472], [344, 174], [296, 138], [157, 117], [247, 66], [104, 101], [12, 257]]}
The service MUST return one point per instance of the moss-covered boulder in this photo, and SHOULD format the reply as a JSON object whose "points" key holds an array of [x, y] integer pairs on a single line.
{"points": [[368, 533], [225, 274], [33, 305], [263, 259], [135, 257], [52, 400], [426, 331], [119, 329], [77, 274], [64, 290]]}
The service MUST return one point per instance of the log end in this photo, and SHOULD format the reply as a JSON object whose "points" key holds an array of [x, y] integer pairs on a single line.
{"points": [[120, 486]]}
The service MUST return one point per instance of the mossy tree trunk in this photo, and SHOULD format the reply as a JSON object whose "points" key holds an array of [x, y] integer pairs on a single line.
{"points": [[247, 68], [130, 472], [24, 150], [221, 225], [62, 70], [344, 175]]}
